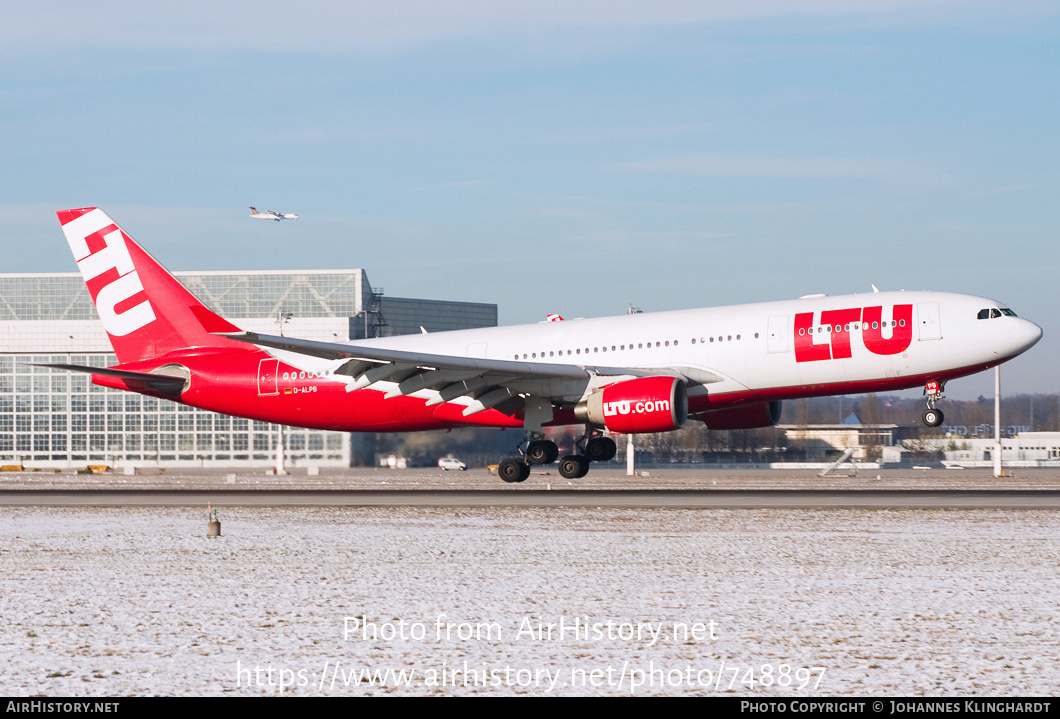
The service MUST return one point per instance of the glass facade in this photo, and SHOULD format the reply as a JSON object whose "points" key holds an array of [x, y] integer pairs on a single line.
{"points": [[54, 418], [320, 293], [302, 294], [49, 417], [405, 316], [45, 297]]}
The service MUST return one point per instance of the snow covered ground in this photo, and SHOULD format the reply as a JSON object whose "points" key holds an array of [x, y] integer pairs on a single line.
{"points": [[334, 601]]}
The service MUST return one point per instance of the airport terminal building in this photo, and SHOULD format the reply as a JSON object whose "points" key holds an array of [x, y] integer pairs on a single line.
{"points": [[54, 418]]}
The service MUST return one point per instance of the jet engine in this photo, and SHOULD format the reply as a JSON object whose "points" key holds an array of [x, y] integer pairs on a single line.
{"points": [[750, 416], [645, 404]]}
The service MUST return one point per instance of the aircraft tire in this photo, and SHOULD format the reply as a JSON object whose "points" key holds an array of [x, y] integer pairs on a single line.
{"points": [[932, 417], [585, 468], [573, 466], [542, 451], [600, 449], [513, 470]]}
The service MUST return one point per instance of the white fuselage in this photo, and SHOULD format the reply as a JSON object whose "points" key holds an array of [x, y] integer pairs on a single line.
{"points": [[771, 350]]}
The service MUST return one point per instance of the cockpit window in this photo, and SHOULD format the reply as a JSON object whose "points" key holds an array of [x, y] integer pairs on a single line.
{"points": [[993, 312]]}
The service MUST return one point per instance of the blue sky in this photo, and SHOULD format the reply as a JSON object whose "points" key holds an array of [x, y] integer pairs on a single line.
{"points": [[555, 158]]}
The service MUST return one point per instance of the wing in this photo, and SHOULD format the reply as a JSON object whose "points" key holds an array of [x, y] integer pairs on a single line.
{"points": [[487, 383]]}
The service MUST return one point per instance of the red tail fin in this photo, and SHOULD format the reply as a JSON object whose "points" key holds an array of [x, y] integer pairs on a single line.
{"points": [[147, 313]]}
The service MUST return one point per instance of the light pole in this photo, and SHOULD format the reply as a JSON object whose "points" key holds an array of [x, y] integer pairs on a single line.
{"points": [[997, 421], [282, 318], [630, 459]]}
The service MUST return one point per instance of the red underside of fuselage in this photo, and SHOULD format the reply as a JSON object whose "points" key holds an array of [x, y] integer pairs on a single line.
{"points": [[891, 384], [229, 383]]}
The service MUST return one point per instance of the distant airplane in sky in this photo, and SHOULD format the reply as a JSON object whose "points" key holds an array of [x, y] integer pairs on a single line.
{"points": [[728, 367], [272, 215]]}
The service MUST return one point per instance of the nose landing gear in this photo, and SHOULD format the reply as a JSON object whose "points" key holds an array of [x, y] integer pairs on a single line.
{"points": [[933, 417]]}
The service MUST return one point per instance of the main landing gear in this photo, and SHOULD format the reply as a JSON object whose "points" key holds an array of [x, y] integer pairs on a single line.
{"points": [[535, 449], [590, 447], [933, 417], [513, 470]]}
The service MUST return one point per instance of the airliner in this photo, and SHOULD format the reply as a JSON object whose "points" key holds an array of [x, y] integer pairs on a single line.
{"points": [[272, 215], [728, 367]]}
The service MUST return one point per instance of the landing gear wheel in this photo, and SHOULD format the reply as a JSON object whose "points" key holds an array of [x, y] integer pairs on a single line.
{"points": [[932, 417], [600, 449], [513, 470], [574, 466], [542, 451]]}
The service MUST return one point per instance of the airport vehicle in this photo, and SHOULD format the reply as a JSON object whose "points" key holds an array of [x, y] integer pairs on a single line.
{"points": [[729, 367], [448, 463], [272, 215]]}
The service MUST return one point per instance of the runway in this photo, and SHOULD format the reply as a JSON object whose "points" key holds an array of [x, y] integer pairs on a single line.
{"points": [[897, 583], [643, 498]]}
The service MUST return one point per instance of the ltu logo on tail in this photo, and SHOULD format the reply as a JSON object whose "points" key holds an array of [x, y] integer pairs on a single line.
{"points": [[99, 246]]}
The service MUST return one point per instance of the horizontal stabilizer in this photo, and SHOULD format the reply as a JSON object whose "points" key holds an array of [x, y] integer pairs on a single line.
{"points": [[164, 384]]}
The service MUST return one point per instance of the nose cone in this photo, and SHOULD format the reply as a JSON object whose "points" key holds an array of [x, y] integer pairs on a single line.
{"points": [[1021, 336], [1031, 334]]}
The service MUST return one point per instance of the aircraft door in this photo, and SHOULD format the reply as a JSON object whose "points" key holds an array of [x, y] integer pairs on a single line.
{"points": [[777, 339], [268, 375], [928, 317]]}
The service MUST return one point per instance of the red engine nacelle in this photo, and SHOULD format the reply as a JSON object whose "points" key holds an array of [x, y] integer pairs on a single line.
{"points": [[645, 404], [751, 416]]}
